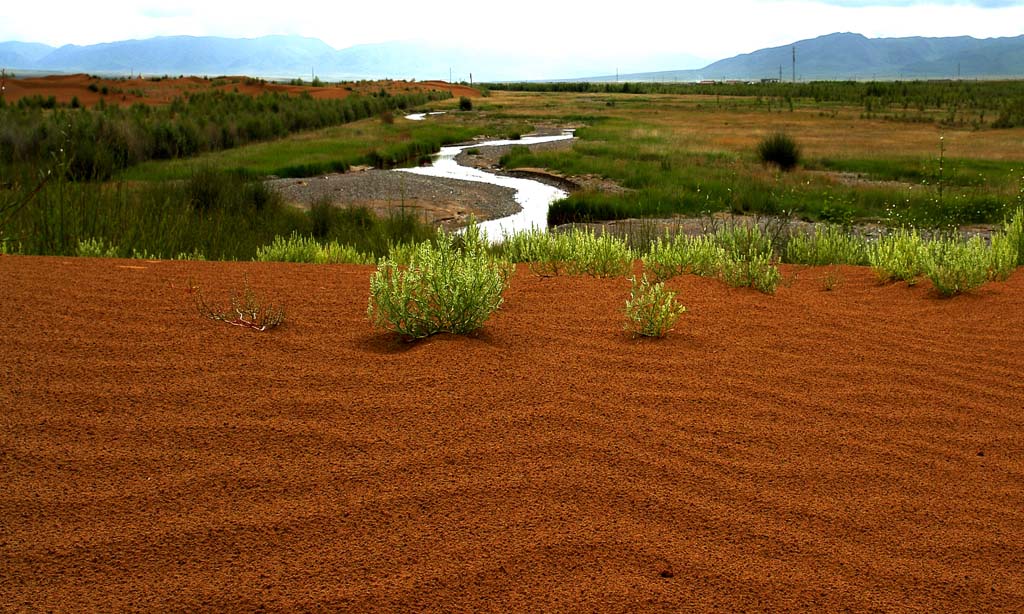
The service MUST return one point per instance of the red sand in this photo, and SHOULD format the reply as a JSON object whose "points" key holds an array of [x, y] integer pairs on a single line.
{"points": [[163, 91], [860, 449]]}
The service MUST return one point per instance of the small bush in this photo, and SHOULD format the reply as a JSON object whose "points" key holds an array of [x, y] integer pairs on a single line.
{"points": [[246, 309], [465, 104], [682, 254], [443, 288], [830, 245], [1014, 229], [97, 248], [744, 241], [898, 256], [569, 253], [779, 149], [599, 255], [756, 272], [297, 248], [956, 266], [1002, 257], [652, 310]]}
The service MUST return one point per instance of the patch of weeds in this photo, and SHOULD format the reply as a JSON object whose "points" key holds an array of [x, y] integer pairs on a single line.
{"points": [[652, 309], [1003, 256], [1014, 230], [668, 258], [831, 280], [830, 245], [297, 248], [569, 253], [758, 272], [898, 256], [96, 248], [246, 309], [600, 255], [956, 266]]}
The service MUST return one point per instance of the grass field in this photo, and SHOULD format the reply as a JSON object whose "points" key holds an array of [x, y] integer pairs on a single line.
{"points": [[372, 142], [676, 153], [688, 154]]}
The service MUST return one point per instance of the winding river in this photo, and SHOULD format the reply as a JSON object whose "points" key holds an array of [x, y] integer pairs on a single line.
{"points": [[533, 196]]}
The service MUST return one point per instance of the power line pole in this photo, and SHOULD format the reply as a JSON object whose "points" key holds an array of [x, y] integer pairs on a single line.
{"points": [[794, 63]]}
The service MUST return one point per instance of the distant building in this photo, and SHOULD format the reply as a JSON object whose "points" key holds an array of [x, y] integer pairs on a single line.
{"points": [[708, 82], [770, 80]]}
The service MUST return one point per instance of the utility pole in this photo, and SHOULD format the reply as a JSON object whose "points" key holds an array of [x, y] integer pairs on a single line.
{"points": [[449, 74], [780, 73], [3, 82], [794, 63], [616, 75]]}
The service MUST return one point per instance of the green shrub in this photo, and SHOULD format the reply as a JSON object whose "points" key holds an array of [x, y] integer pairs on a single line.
{"points": [[443, 288], [898, 256], [779, 149], [956, 266], [599, 255], [569, 253], [1002, 257], [297, 248], [831, 245], [668, 258], [465, 104], [756, 272], [1014, 229], [652, 310], [744, 241], [97, 248]]}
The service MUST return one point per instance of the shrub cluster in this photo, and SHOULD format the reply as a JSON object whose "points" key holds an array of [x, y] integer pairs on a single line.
{"points": [[107, 138], [297, 248], [445, 287], [779, 149], [741, 256], [574, 252], [651, 310]]}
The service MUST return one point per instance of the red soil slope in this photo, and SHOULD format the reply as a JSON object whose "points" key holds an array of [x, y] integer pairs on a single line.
{"points": [[857, 449], [163, 91]]}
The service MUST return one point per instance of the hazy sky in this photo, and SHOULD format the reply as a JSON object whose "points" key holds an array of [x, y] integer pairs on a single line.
{"points": [[709, 30]]}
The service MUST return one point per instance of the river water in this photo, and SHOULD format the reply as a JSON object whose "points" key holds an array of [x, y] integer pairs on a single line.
{"points": [[533, 196]]}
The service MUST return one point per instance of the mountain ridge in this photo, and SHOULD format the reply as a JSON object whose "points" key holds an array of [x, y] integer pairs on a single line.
{"points": [[840, 55]]}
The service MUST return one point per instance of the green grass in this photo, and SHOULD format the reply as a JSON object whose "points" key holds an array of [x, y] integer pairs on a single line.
{"points": [[672, 172], [369, 142]]}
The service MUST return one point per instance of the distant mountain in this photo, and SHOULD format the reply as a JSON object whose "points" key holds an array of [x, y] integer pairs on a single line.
{"points": [[835, 56], [295, 56], [291, 55], [854, 56], [22, 55]]}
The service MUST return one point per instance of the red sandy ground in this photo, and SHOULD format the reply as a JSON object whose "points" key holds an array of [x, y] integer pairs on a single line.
{"points": [[120, 92], [858, 449]]}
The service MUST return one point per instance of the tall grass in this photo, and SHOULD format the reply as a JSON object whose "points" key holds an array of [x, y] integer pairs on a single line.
{"points": [[106, 138], [222, 215]]}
